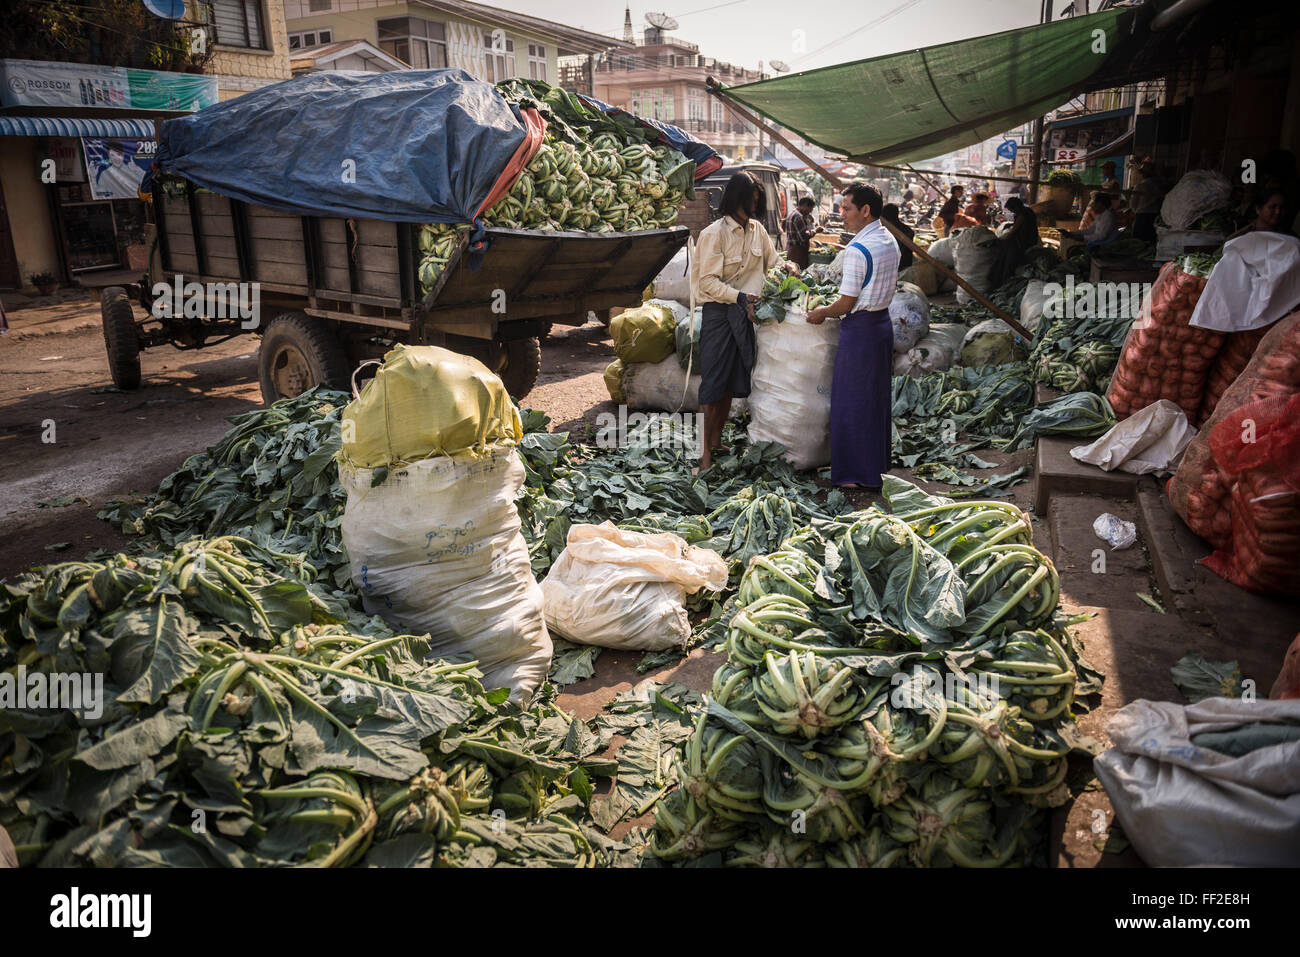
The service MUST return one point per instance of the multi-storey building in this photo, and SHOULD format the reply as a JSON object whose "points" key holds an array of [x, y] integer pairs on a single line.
{"points": [[488, 42], [663, 78]]}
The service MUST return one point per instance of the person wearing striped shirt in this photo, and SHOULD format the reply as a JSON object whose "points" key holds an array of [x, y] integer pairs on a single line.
{"points": [[860, 390]]}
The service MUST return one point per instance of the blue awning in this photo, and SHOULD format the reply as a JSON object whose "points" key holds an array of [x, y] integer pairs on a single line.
{"points": [[1098, 117], [73, 126]]}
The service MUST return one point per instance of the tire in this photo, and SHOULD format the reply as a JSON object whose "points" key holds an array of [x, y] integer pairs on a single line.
{"points": [[523, 364], [299, 352], [121, 338]]}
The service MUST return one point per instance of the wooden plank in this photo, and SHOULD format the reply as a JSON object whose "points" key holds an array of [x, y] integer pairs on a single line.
{"points": [[218, 225], [274, 230], [294, 274], [280, 251], [379, 284], [211, 203], [375, 232], [187, 264], [381, 259]]}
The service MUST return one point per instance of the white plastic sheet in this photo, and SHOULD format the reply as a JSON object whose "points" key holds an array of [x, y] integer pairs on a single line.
{"points": [[1256, 283], [674, 280], [1034, 302], [790, 401], [436, 547], [664, 387], [1186, 806], [1149, 440], [975, 250], [621, 589], [909, 314], [1199, 192]]}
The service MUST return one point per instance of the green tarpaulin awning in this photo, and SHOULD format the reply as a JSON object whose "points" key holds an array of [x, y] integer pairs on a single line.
{"points": [[923, 103]]}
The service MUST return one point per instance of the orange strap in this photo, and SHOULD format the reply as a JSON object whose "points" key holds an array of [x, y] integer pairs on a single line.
{"points": [[534, 130]]}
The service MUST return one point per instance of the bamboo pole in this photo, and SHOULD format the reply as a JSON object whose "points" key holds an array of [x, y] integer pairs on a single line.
{"points": [[898, 234]]}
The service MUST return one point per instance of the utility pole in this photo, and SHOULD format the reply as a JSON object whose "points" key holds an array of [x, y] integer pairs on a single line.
{"points": [[1036, 144]]}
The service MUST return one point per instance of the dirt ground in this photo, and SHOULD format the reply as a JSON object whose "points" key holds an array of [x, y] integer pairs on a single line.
{"points": [[66, 432]]}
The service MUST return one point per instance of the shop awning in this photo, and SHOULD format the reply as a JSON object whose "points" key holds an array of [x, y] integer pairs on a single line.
{"points": [[73, 126], [923, 103]]}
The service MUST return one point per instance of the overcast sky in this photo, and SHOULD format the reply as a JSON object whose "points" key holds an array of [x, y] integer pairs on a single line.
{"points": [[833, 31]]}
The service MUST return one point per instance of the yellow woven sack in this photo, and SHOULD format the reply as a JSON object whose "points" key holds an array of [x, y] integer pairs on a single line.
{"points": [[427, 401], [644, 334], [614, 381]]}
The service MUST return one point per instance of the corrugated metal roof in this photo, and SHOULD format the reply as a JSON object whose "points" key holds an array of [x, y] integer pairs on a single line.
{"points": [[73, 126]]}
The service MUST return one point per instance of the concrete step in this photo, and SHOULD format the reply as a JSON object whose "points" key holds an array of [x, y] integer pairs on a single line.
{"points": [[1056, 472], [1242, 619]]}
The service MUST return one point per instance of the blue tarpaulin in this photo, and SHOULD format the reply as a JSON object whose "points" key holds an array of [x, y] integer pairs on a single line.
{"points": [[414, 146]]}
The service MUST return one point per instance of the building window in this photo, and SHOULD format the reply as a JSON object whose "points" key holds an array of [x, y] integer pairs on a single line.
{"points": [[657, 104], [695, 104], [500, 56], [421, 43], [319, 6], [238, 23], [537, 61], [310, 38]]}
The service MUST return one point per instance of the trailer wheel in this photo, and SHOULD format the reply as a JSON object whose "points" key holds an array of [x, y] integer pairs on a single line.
{"points": [[121, 338], [521, 364], [299, 352]]}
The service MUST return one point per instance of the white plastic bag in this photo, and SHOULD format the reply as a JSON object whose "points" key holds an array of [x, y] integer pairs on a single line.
{"points": [[674, 280], [436, 548], [1034, 302], [1114, 531], [663, 387], [992, 343], [621, 589], [1256, 283], [941, 250], [931, 354], [1200, 191], [1149, 440], [975, 251], [909, 314], [1182, 805], [790, 401], [679, 311]]}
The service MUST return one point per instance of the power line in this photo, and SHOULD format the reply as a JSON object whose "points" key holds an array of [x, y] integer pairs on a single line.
{"points": [[906, 5]]}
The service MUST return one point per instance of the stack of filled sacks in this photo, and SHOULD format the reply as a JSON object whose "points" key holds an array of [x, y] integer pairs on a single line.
{"points": [[429, 466], [658, 364]]}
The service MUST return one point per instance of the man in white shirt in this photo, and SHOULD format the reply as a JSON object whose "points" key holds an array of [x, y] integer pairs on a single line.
{"points": [[1103, 228], [860, 390]]}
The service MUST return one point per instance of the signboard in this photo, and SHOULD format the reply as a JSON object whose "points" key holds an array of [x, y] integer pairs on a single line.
{"points": [[66, 153], [1007, 150], [117, 166], [38, 83]]}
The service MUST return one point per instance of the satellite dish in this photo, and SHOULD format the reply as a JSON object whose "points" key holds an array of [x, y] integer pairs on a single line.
{"points": [[780, 66], [661, 20], [167, 9]]}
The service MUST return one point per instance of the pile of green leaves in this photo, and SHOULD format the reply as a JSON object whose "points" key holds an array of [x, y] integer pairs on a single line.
{"points": [[271, 479], [248, 720], [1079, 354], [899, 690], [782, 292], [940, 420]]}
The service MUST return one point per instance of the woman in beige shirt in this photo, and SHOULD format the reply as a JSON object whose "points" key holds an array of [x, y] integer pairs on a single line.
{"points": [[732, 256]]}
